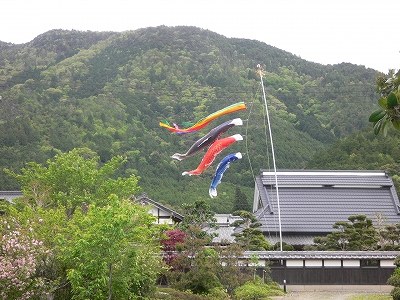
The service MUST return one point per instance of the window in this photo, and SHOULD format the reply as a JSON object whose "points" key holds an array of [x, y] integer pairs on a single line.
{"points": [[369, 263], [276, 263]]}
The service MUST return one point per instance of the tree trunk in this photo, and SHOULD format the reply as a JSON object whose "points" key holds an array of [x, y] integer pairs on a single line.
{"points": [[109, 281]]}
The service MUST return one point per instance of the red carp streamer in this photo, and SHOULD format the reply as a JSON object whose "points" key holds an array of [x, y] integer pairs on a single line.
{"points": [[212, 152]]}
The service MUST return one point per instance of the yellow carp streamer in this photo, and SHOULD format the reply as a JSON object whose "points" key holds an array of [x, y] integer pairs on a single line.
{"points": [[204, 122]]}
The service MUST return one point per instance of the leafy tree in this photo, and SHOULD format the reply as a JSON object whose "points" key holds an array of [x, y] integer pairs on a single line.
{"points": [[390, 237], [253, 263], [389, 112], [230, 272], [110, 252], [240, 201], [195, 266], [202, 276], [389, 88], [250, 236], [73, 179], [198, 217], [105, 246], [197, 214]]}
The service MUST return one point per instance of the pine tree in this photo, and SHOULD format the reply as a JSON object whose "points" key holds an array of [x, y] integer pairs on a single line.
{"points": [[248, 235], [240, 201], [354, 235]]}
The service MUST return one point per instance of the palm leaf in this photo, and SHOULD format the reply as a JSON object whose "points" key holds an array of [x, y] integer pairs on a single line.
{"points": [[396, 124], [377, 126], [392, 100], [382, 102]]}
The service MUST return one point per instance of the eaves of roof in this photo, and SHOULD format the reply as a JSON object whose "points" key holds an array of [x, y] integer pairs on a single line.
{"points": [[322, 254], [10, 195], [292, 239], [159, 205]]}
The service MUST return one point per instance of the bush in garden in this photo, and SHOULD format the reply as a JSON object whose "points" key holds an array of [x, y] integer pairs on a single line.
{"points": [[256, 290], [21, 258], [218, 294], [394, 280], [395, 293], [172, 294]]}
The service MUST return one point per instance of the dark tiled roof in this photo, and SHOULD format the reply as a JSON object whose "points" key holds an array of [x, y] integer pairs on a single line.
{"points": [[224, 230], [312, 201], [223, 234]]}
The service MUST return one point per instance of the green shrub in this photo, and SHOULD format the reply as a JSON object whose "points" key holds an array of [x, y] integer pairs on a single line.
{"points": [[257, 291], [172, 294], [394, 279], [200, 281], [218, 294], [395, 293]]}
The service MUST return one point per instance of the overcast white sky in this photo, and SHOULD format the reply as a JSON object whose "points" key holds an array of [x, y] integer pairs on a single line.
{"points": [[362, 32]]}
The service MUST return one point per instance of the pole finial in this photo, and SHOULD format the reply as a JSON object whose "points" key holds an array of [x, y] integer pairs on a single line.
{"points": [[260, 70]]}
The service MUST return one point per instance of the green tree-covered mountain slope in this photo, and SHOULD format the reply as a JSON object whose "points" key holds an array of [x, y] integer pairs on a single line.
{"points": [[363, 151], [109, 91]]}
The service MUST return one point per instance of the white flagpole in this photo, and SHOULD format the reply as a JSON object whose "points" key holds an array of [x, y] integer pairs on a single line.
{"points": [[260, 71]]}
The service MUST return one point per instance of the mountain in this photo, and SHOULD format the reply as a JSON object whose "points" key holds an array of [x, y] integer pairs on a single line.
{"points": [[363, 151], [108, 91]]}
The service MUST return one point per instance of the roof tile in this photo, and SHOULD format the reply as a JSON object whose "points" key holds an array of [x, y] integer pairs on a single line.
{"points": [[312, 201]]}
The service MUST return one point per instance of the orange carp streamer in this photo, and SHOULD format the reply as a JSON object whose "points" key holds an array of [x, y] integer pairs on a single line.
{"points": [[204, 122], [212, 152]]}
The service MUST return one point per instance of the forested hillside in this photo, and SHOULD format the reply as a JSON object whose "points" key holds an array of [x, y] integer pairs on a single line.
{"points": [[109, 91], [362, 151]]}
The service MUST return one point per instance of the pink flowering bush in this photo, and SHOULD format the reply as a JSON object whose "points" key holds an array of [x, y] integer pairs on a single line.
{"points": [[20, 257]]}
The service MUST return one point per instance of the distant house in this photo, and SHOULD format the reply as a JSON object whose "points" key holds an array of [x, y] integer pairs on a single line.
{"points": [[9, 195], [312, 201], [163, 214], [224, 230]]}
